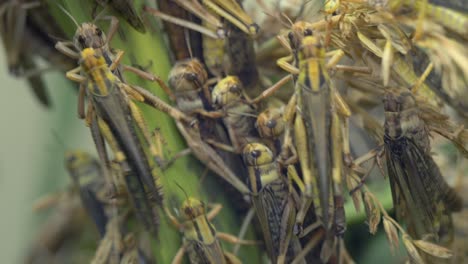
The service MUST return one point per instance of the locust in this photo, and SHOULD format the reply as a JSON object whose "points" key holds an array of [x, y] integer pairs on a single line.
{"points": [[112, 115], [239, 114], [88, 35], [87, 177], [201, 240], [227, 30], [64, 223], [178, 35], [211, 30], [26, 28], [420, 194], [125, 9], [317, 125], [188, 80], [273, 203]]}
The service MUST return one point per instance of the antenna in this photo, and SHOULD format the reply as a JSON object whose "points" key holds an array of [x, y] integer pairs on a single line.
{"points": [[100, 14], [183, 190], [68, 14], [187, 41]]}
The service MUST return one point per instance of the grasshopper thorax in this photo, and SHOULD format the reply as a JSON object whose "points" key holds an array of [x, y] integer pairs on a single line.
{"points": [[100, 78], [401, 114], [311, 47], [228, 90]]}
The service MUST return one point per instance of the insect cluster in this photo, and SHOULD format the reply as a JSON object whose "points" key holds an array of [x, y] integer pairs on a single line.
{"points": [[269, 96]]}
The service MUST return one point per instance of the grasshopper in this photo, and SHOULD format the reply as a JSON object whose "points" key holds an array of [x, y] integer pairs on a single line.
{"points": [[88, 35], [421, 196], [188, 79], [201, 240], [25, 28], [273, 204], [211, 29], [125, 9], [112, 114], [231, 36], [65, 223], [239, 119], [86, 174], [177, 35]]}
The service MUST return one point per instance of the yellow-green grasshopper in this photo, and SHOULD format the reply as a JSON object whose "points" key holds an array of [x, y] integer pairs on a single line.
{"points": [[88, 35], [87, 177], [201, 240], [111, 114], [273, 203]]}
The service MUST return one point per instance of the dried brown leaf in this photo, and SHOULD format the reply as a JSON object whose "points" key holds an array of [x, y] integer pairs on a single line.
{"points": [[412, 250], [352, 184], [372, 212], [433, 249], [391, 233]]}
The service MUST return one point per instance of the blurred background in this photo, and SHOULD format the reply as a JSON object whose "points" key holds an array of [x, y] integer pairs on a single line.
{"points": [[31, 154]]}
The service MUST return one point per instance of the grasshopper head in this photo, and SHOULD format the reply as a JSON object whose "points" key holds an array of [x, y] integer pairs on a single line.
{"points": [[192, 208], [270, 123], [227, 91], [298, 31], [89, 35], [256, 154], [187, 75]]}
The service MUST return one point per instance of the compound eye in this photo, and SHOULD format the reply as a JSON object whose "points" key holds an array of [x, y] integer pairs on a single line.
{"points": [[290, 36], [82, 41], [255, 153], [308, 32], [271, 123], [235, 89], [98, 32]]}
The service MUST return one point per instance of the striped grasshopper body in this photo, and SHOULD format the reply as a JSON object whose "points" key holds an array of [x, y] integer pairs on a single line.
{"points": [[317, 127], [420, 194], [110, 114], [201, 240], [273, 204]]}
